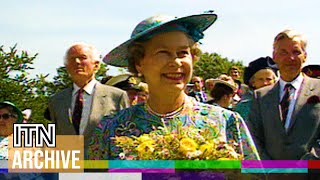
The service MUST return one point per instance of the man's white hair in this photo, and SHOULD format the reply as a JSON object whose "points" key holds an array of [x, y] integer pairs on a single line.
{"points": [[94, 52]]}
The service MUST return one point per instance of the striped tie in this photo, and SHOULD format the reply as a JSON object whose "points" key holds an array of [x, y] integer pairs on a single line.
{"points": [[77, 112], [285, 102]]}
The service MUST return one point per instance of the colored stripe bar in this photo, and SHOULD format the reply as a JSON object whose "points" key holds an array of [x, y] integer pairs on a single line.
{"points": [[96, 164], [274, 170], [313, 164], [185, 175], [208, 164], [3, 170], [274, 164], [141, 170], [131, 164]]}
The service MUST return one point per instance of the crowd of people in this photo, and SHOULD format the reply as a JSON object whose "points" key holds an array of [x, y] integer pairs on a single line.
{"points": [[274, 114]]}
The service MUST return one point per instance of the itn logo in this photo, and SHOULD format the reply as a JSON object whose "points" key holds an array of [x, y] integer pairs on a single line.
{"points": [[42, 135]]}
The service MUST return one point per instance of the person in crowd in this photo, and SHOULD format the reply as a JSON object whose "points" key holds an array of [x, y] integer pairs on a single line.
{"points": [[143, 92], [223, 93], [312, 70], [285, 117], [209, 84], [257, 75], [10, 114], [162, 50], [137, 91], [197, 89], [77, 110], [236, 98], [235, 73]]}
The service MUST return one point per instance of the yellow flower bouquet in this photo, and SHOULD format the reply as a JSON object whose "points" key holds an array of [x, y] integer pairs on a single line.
{"points": [[181, 143]]}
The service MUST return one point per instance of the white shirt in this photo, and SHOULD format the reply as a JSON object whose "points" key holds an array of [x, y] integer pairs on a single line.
{"points": [[88, 92], [296, 83]]}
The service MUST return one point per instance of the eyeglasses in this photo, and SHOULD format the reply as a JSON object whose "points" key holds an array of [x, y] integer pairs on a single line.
{"points": [[5, 116]]}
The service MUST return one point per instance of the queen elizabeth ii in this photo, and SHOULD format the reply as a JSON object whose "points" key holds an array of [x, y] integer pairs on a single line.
{"points": [[162, 51]]}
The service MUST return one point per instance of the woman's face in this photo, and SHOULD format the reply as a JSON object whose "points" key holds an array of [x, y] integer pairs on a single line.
{"points": [[263, 77], [167, 64], [6, 122]]}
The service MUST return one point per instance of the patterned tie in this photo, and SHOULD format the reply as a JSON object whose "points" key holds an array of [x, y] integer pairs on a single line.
{"points": [[77, 112], [285, 102]]}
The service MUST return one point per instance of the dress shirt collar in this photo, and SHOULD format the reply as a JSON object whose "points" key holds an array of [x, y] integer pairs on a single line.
{"points": [[296, 83], [87, 88]]}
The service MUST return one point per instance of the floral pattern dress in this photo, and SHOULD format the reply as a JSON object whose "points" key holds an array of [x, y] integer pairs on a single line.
{"points": [[137, 120], [4, 148]]}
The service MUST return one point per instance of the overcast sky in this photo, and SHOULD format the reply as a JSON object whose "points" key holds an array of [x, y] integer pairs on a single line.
{"points": [[244, 30]]}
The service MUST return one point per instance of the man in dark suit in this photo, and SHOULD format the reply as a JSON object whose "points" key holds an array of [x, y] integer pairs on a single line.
{"points": [[285, 117], [78, 109], [197, 89]]}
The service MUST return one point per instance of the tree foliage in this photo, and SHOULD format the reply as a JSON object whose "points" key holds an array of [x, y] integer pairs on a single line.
{"points": [[211, 65], [15, 85]]}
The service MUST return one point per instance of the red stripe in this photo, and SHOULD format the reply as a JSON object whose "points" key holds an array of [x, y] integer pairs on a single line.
{"points": [[314, 164]]}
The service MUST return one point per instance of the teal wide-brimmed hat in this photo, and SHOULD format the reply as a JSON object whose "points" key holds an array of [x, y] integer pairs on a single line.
{"points": [[193, 25], [15, 108]]}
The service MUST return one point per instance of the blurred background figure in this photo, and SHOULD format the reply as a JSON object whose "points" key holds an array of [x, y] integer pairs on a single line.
{"points": [[137, 91], [197, 90], [26, 115], [235, 73], [143, 92], [258, 74], [223, 92], [9, 114], [312, 71], [236, 98], [209, 84], [188, 88]]}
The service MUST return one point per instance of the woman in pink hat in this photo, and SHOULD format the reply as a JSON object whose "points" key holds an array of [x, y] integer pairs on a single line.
{"points": [[162, 51]]}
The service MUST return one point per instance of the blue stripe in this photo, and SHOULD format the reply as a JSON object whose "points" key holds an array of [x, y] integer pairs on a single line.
{"points": [[3, 170], [141, 164]]}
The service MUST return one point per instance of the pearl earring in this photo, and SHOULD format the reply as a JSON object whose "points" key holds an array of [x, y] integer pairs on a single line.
{"points": [[139, 75]]}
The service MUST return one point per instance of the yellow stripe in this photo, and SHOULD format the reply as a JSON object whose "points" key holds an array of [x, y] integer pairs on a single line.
{"points": [[96, 164]]}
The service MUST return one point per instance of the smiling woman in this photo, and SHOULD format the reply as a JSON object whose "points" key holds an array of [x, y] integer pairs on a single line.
{"points": [[161, 51]]}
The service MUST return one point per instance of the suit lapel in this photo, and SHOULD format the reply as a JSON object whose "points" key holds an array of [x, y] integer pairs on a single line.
{"points": [[304, 92], [96, 106], [272, 103], [67, 111]]}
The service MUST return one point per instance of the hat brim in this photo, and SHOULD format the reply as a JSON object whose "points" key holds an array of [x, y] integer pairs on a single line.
{"points": [[119, 55], [17, 110], [116, 79], [218, 81]]}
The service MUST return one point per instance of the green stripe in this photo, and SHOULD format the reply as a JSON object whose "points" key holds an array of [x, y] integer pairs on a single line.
{"points": [[207, 164]]}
